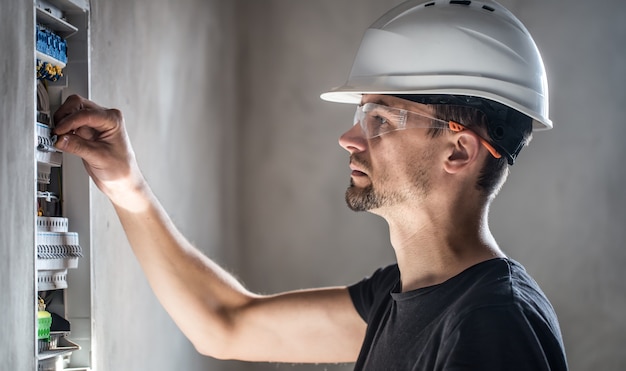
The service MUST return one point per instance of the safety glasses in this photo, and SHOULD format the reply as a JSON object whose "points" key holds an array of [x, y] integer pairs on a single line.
{"points": [[376, 120]]}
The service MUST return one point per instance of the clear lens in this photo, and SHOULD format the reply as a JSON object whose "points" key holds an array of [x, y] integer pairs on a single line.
{"points": [[376, 120]]}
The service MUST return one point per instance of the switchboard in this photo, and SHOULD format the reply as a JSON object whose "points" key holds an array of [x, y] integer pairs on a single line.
{"points": [[63, 303]]}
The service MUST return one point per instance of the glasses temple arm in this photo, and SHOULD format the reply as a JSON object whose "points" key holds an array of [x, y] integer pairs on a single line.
{"points": [[456, 127]]}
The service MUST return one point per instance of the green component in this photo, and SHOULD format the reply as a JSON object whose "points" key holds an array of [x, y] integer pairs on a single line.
{"points": [[44, 320]]}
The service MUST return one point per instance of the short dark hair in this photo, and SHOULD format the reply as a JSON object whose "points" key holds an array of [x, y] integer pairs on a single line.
{"points": [[495, 170], [508, 129]]}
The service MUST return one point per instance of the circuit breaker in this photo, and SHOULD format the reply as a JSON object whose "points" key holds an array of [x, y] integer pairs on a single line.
{"points": [[62, 47]]}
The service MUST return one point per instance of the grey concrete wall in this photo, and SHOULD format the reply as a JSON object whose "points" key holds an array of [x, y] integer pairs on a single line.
{"points": [[169, 66], [17, 187], [561, 214]]}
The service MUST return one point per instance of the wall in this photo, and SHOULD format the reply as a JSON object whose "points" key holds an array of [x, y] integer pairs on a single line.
{"points": [[561, 214], [17, 187], [168, 65]]}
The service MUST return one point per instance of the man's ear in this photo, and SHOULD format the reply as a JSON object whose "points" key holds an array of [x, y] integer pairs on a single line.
{"points": [[465, 148]]}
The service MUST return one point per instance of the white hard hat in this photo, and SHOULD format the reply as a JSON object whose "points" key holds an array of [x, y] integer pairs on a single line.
{"points": [[450, 47]]}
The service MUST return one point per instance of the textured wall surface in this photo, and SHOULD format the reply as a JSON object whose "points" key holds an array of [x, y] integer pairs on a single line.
{"points": [[168, 65], [17, 187]]}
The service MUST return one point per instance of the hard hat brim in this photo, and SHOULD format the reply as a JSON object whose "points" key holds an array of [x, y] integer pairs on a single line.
{"points": [[352, 93]]}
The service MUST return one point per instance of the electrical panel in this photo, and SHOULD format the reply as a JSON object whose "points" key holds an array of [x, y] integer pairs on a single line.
{"points": [[62, 223]]}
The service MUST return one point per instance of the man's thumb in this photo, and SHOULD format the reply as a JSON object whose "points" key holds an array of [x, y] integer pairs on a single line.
{"points": [[75, 145]]}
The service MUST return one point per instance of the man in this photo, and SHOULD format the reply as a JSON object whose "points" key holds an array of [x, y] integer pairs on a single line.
{"points": [[448, 93]]}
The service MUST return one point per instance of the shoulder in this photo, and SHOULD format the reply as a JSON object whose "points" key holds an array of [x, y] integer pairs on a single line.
{"points": [[372, 291], [382, 278], [498, 282], [502, 287], [504, 337], [503, 311]]}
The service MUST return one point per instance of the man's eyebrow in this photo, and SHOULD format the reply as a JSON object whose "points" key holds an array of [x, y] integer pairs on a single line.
{"points": [[390, 103], [383, 106]]}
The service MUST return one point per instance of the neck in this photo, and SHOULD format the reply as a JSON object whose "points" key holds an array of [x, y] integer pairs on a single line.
{"points": [[435, 244]]}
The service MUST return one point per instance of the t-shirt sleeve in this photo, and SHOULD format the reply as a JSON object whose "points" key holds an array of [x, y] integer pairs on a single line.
{"points": [[366, 293]]}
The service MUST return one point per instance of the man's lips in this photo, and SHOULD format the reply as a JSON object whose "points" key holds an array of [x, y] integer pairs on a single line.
{"points": [[356, 172], [357, 169], [359, 166]]}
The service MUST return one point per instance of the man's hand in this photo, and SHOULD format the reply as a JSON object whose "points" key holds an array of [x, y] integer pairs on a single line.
{"points": [[98, 136]]}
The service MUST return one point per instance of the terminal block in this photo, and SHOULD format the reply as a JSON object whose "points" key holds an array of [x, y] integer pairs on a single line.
{"points": [[57, 251]]}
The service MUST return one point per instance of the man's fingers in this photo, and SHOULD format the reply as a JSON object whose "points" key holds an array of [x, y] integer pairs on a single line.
{"points": [[72, 104], [86, 132], [84, 117], [99, 120], [78, 146]]}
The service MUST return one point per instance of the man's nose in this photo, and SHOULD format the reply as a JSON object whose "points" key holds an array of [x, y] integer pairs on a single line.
{"points": [[353, 140]]}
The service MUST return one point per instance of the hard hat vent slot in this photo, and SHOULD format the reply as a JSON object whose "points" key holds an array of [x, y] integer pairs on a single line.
{"points": [[487, 7], [460, 2], [429, 4]]}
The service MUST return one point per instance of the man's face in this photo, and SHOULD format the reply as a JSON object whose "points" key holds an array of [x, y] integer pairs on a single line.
{"points": [[390, 169]]}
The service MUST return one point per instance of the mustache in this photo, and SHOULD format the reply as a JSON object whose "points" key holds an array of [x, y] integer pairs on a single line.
{"points": [[360, 162]]}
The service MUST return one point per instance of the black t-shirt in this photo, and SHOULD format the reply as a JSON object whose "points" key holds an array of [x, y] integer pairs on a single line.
{"points": [[492, 316]]}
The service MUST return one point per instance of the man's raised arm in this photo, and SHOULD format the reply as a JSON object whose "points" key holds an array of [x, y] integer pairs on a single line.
{"points": [[220, 317]]}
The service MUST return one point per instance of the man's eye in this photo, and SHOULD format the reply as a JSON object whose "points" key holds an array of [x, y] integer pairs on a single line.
{"points": [[381, 120], [379, 125]]}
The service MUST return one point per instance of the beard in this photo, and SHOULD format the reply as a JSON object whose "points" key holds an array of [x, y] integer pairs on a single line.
{"points": [[362, 199], [376, 195]]}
